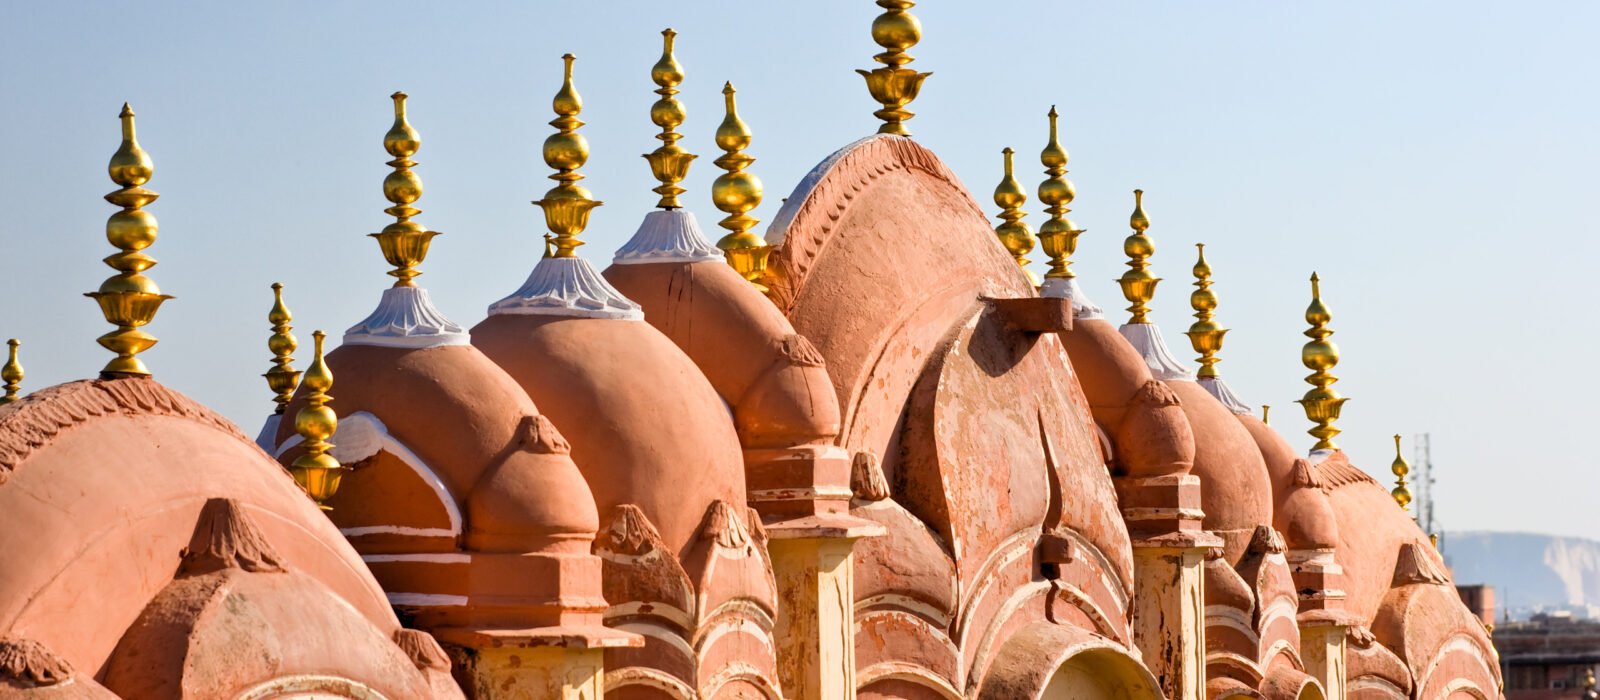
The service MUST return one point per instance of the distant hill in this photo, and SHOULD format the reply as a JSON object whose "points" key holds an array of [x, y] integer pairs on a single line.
{"points": [[1527, 570]]}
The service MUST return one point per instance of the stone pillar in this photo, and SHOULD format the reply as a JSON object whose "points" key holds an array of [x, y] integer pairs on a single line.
{"points": [[1169, 617], [1322, 644], [1323, 619], [803, 496], [816, 622], [519, 665], [1169, 555]]}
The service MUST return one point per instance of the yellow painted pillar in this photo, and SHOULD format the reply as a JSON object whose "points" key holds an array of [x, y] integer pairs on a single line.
{"points": [[1322, 646], [816, 619], [537, 673], [1169, 617]]}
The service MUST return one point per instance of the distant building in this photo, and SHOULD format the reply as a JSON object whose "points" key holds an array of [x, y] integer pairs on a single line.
{"points": [[1550, 656]]}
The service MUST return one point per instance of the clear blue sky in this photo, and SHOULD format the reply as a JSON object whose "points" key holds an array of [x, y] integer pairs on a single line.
{"points": [[1430, 159]]}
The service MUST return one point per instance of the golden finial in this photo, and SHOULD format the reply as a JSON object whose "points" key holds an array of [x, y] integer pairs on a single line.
{"points": [[1205, 334], [737, 192], [129, 299], [1058, 235], [1322, 402], [669, 163], [567, 205], [894, 86], [1265, 409], [1402, 490], [404, 242], [1138, 285], [11, 374], [1014, 234], [317, 471], [283, 377]]}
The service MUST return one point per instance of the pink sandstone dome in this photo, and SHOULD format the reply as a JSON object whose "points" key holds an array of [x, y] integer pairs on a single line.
{"points": [[1234, 486], [116, 488], [502, 466], [743, 344], [638, 413]]}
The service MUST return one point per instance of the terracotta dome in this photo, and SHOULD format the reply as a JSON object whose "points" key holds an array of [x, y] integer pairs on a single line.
{"points": [[771, 376], [1234, 486], [1301, 510], [636, 410], [451, 455], [99, 498]]}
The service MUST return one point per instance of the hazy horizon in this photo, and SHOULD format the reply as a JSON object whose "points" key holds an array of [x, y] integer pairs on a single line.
{"points": [[1409, 153]]}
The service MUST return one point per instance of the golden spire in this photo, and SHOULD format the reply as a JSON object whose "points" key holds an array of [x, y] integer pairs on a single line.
{"points": [[737, 192], [894, 86], [129, 299], [1265, 409], [1205, 334], [316, 471], [404, 242], [567, 205], [1058, 235], [1402, 490], [11, 374], [1014, 234], [669, 163], [283, 377], [1322, 402], [1138, 285]]}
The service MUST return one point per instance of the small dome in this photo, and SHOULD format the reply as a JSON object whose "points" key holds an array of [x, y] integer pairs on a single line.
{"points": [[103, 481], [772, 377], [468, 423], [1236, 492], [636, 410]]}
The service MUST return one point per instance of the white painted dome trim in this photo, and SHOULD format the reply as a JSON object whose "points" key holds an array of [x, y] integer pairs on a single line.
{"points": [[406, 318], [669, 236], [567, 287], [1083, 308], [1224, 394], [1146, 338]]}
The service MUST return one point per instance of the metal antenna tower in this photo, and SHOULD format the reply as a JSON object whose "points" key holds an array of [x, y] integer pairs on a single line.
{"points": [[1422, 457]]}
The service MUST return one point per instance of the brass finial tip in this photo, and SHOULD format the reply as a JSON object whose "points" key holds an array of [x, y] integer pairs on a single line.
{"points": [[1402, 490], [404, 242], [1139, 220], [892, 85], [737, 192], [1205, 334], [1138, 283], [282, 378], [1265, 410], [11, 374], [1015, 235], [1322, 403], [670, 163], [316, 471], [1202, 269], [129, 299], [1058, 234], [567, 205]]}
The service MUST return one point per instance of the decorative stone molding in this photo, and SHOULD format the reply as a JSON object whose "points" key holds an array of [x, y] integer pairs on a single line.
{"points": [[406, 318], [670, 236], [37, 420], [567, 287]]}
